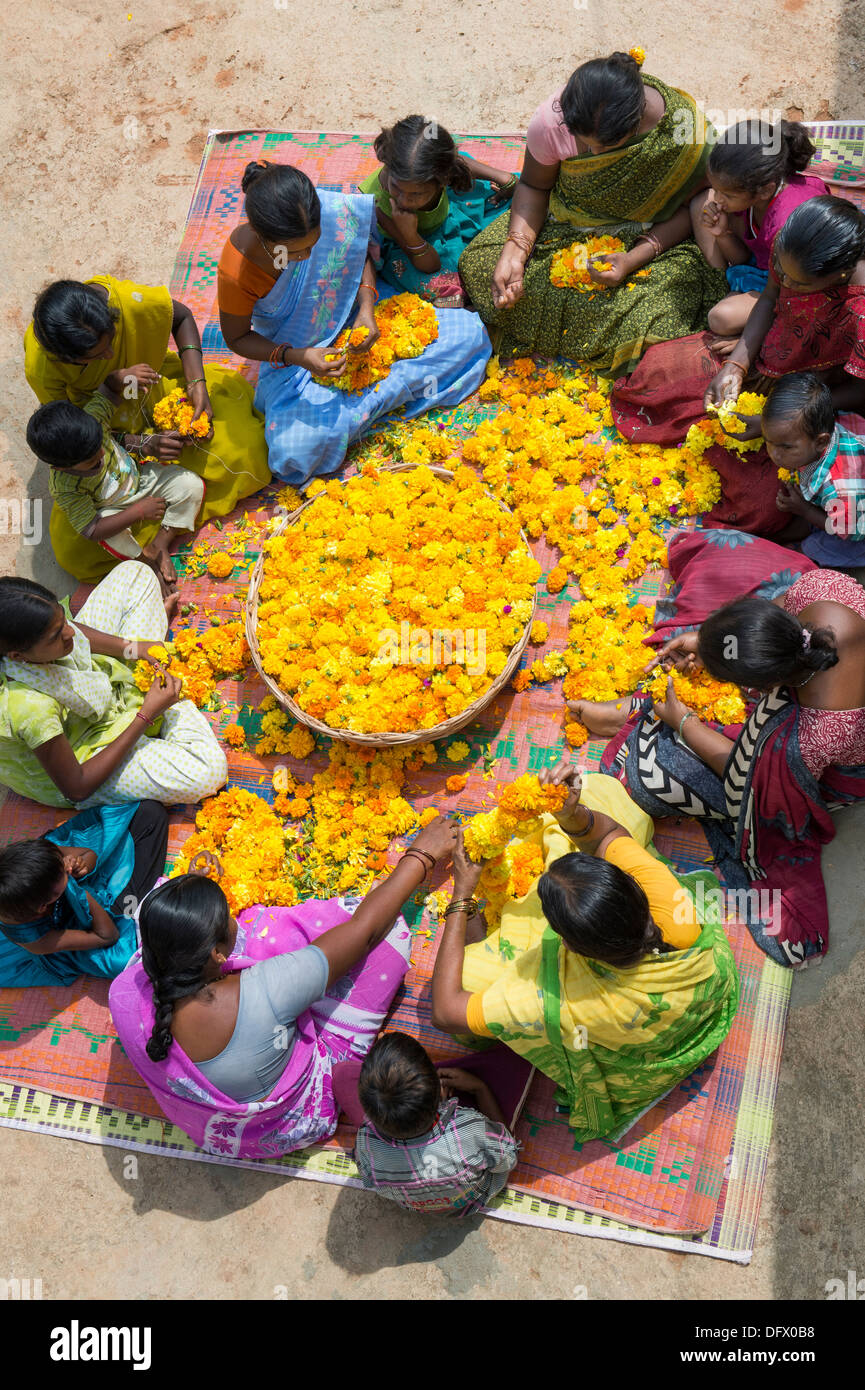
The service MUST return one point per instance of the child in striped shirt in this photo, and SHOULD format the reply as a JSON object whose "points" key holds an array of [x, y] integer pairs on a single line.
{"points": [[420, 1147]]}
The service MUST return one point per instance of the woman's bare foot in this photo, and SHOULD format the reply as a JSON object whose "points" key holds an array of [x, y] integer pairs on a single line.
{"points": [[603, 718]]}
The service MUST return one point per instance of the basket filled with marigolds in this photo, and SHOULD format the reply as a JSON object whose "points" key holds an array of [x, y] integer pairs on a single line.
{"points": [[392, 606]]}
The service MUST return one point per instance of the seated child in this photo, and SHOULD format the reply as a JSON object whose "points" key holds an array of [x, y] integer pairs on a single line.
{"points": [[104, 492], [431, 201], [755, 172], [827, 507], [420, 1147], [67, 900]]}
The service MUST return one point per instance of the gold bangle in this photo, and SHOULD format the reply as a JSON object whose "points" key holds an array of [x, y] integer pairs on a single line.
{"points": [[467, 905]]}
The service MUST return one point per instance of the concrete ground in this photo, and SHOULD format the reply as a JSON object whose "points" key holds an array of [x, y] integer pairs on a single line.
{"points": [[105, 109]]}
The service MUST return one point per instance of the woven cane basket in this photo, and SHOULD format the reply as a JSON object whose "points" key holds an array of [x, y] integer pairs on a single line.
{"points": [[376, 740]]}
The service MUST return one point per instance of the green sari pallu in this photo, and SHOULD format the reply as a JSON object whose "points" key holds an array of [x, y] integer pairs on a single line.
{"points": [[607, 1091], [620, 193]]}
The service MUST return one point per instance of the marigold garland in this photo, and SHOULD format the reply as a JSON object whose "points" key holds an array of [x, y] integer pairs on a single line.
{"points": [[719, 701], [175, 412], [407, 324]]}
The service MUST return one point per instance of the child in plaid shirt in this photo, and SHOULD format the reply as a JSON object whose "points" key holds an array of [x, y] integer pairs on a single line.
{"points": [[420, 1147], [827, 508]]}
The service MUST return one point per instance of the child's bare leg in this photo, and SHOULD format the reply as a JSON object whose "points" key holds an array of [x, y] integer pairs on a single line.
{"points": [[603, 718], [728, 317]]}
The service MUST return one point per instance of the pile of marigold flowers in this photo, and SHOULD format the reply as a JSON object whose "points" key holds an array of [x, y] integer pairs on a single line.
{"points": [[200, 659], [175, 412], [719, 701], [407, 324], [394, 601], [249, 840]]}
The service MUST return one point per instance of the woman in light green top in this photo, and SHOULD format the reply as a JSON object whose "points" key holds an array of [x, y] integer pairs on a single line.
{"points": [[74, 727], [431, 201]]}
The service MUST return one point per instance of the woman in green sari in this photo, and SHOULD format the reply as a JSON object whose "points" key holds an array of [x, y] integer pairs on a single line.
{"points": [[612, 975], [614, 154]]}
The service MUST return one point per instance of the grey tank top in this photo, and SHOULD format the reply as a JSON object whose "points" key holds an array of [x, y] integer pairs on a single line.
{"points": [[272, 994]]}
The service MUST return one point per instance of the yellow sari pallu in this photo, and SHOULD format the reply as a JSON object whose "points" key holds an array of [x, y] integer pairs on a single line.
{"points": [[233, 464], [614, 1040]]}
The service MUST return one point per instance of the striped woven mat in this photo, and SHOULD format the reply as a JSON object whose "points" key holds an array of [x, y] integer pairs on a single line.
{"points": [[689, 1176]]}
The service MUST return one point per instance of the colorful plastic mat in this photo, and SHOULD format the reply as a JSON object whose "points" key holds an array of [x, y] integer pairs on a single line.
{"points": [[689, 1176]]}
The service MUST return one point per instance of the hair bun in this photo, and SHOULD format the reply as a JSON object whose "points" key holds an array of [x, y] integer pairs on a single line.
{"points": [[252, 171]]}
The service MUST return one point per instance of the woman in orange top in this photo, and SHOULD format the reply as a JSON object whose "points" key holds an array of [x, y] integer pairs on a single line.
{"points": [[290, 278]]}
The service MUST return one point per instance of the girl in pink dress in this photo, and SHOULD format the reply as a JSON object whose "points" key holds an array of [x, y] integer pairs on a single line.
{"points": [[756, 178]]}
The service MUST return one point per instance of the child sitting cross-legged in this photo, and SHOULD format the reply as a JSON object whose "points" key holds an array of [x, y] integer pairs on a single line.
{"points": [[106, 494], [827, 507], [420, 1147]]}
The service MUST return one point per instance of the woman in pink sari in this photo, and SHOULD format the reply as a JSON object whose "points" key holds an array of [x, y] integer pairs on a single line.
{"points": [[236, 1026]]}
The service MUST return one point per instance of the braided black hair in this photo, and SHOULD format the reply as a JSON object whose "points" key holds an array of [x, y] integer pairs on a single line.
{"points": [[753, 642], [182, 922], [71, 318]]}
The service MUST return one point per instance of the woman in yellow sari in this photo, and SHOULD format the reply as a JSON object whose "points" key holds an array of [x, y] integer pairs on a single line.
{"points": [[611, 975], [117, 332], [614, 153]]}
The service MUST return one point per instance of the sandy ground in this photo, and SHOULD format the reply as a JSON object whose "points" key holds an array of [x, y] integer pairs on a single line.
{"points": [[105, 110]]}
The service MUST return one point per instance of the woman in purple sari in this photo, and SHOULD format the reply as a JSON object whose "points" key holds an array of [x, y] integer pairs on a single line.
{"points": [[236, 1026]]}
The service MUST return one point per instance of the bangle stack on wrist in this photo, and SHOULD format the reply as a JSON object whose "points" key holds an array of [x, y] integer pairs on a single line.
{"points": [[525, 243], [423, 857], [589, 827], [467, 905]]}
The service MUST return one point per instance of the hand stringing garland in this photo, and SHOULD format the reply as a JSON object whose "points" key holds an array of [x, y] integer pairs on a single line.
{"points": [[716, 700], [407, 324], [175, 412], [359, 599]]}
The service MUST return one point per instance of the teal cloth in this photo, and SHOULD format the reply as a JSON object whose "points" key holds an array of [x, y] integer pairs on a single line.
{"points": [[466, 217], [105, 830]]}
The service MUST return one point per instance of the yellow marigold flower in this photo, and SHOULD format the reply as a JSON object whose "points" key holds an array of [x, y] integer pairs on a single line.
{"points": [[235, 735], [539, 634], [220, 565], [430, 814], [458, 751]]}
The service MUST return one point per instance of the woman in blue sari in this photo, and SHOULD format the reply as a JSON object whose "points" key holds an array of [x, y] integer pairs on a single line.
{"points": [[289, 280], [67, 900]]}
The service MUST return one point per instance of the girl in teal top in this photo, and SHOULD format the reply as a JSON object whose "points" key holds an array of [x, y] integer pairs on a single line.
{"points": [[431, 201], [67, 900]]}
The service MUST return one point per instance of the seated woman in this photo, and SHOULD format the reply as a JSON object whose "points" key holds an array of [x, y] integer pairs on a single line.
{"points": [[116, 333], [74, 727], [430, 201], [613, 154], [67, 901], [810, 317], [235, 1026], [757, 179], [603, 976], [763, 790], [290, 278]]}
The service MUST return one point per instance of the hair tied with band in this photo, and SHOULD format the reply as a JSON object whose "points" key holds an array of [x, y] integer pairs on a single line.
{"points": [[806, 639]]}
